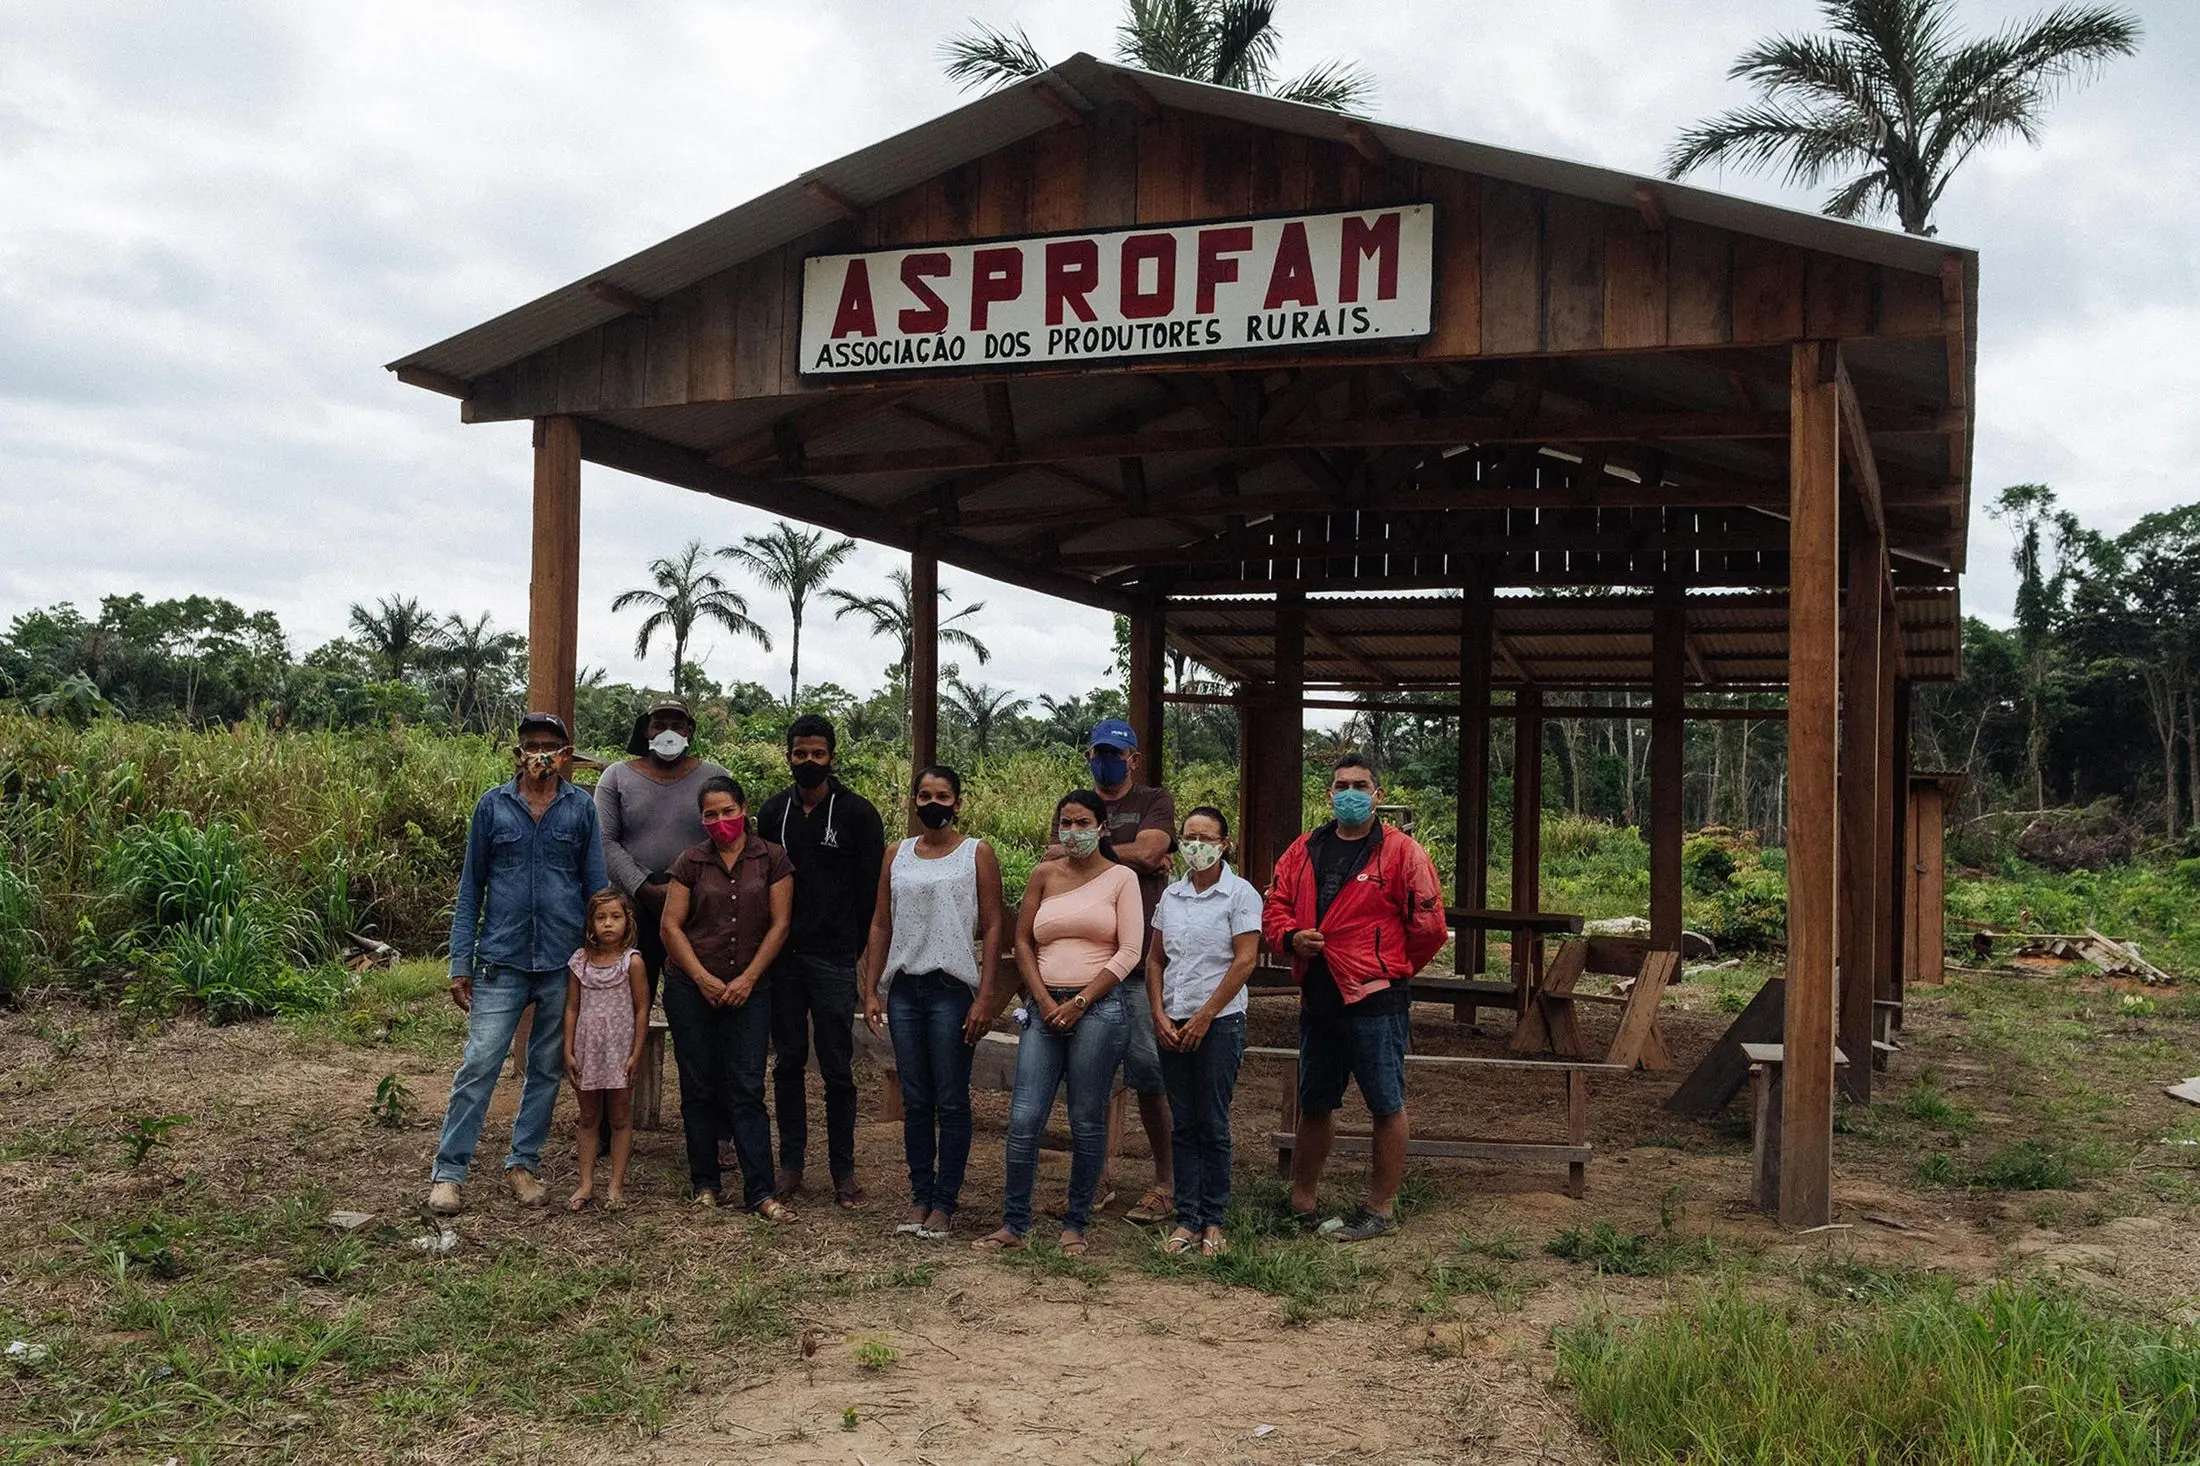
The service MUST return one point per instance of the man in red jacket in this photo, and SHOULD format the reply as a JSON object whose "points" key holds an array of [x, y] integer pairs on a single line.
{"points": [[1357, 907]]}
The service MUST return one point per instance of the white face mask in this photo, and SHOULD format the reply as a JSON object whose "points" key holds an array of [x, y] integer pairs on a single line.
{"points": [[1201, 854], [669, 744]]}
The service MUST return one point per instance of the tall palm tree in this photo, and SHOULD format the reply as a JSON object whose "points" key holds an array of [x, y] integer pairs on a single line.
{"points": [[894, 617], [981, 708], [797, 565], [688, 593], [1230, 43], [474, 651], [398, 632], [1893, 101]]}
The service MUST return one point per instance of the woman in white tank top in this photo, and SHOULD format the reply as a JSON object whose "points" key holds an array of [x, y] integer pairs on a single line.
{"points": [[931, 980]]}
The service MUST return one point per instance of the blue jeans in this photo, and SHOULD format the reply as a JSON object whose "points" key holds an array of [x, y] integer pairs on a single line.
{"points": [[1201, 1084], [720, 1054], [1088, 1054], [501, 994], [924, 1017]]}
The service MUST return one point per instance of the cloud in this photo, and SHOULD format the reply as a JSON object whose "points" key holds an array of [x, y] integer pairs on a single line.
{"points": [[225, 216]]}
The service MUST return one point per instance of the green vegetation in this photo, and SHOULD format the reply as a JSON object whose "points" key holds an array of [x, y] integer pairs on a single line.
{"points": [[873, 1353], [1911, 1370]]}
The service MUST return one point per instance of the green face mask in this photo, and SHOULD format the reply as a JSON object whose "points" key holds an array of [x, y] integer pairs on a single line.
{"points": [[1079, 841], [1201, 854]]}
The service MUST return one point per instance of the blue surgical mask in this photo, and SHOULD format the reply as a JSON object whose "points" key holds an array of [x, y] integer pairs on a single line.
{"points": [[1352, 806], [1108, 769]]}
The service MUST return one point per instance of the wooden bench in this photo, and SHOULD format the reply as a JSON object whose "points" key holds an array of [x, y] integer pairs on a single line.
{"points": [[1551, 1023], [649, 1078], [1767, 1063], [1528, 929], [1574, 1150], [992, 1070], [1886, 1018]]}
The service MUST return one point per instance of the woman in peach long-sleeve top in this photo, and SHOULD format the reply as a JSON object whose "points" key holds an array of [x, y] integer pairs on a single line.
{"points": [[1079, 933]]}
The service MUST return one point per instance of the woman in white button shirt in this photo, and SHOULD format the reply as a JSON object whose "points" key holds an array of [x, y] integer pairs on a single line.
{"points": [[1207, 937]]}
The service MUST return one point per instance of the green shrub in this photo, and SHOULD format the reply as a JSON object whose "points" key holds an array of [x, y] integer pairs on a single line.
{"points": [[19, 938]]}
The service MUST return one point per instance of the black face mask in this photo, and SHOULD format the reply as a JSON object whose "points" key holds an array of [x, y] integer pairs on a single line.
{"points": [[809, 776], [936, 816]]}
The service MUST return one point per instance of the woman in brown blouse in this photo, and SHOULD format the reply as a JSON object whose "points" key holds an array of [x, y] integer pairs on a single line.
{"points": [[726, 917]]}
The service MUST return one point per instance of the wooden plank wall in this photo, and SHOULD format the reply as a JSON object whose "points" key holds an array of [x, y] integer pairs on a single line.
{"points": [[1520, 270]]}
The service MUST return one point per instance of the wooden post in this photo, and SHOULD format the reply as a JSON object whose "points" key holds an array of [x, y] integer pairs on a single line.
{"points": [[1863, 636], [1668, 658], [1928, 918], [1886, 889], [1527, 818], [924, 661], [1149, 662], [554, 586], [1470, 883], [1283, 753], [1900, 863], [1814, 630], [1252, 709]]}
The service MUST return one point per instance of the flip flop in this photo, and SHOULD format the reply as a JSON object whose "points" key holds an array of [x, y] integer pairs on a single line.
{"points": [[1179, 1242], [994, 1242]]}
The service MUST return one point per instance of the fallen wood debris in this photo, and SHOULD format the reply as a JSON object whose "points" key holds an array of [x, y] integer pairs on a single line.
{"points": [[2117, 959], [361, 953], [2189, 1092]]}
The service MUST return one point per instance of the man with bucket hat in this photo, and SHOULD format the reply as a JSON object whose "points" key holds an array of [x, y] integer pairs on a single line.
{"points": [[534, 856]]}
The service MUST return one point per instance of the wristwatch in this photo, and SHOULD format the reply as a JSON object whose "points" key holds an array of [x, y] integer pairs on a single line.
{"points": [[1079, 1000]]}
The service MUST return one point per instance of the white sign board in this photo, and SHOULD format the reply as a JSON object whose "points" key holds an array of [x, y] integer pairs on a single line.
{"points": [[1297, 283]]}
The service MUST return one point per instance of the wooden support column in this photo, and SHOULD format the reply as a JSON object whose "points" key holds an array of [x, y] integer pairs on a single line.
{"points": [[1886, 889], [1527, 820], [1862, 639], [1149, 664], [1470, 884], [924, 660], [1814, 631], [1668, 735], [1283, 750], [554, 584], [1899, 864]]}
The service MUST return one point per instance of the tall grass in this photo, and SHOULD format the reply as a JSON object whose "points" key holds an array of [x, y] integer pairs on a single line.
{"points": [[2016, 1376]]}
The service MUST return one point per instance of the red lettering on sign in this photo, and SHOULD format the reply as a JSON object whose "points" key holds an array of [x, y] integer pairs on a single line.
{"points": [[1073, 272], [1144, 305], [1291, 282], [915, 270], [1378, 241], [1216, 267], [998, 276], [855, 313]]}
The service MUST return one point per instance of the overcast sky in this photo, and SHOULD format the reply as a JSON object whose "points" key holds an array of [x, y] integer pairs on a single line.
{"points": [[222, 218]]}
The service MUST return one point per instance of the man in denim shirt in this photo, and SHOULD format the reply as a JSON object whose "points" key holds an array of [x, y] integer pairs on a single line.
{"points": [[534, 855]]}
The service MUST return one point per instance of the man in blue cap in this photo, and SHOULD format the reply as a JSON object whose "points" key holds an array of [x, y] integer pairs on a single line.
{"points": [[1142, 830]]}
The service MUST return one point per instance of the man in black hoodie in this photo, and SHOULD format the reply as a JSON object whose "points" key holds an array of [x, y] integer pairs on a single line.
{"points": [[837, 843]]}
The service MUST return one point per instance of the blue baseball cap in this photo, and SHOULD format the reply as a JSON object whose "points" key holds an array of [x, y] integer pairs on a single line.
{"points": [[1114, 733]]}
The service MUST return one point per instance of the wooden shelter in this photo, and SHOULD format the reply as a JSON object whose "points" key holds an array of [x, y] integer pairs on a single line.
{"points": [[1323, 403]]}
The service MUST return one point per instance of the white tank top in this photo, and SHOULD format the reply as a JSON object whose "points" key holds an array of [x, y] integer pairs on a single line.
{"points": [[935, 912]]}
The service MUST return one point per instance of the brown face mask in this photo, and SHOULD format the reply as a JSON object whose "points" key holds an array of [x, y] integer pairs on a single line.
{"points": [[539, 762]]}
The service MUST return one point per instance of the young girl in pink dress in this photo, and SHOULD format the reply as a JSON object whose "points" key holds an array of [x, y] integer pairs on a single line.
{"points": [[606, 1019]]}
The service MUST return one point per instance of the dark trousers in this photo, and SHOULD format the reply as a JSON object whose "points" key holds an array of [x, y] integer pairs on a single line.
{"points": [[924, 1016], [720, 1053], [1201, 1084], [815, 996]]}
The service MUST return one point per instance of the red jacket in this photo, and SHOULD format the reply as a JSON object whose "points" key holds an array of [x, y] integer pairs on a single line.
{"points": [[1383, 927]]}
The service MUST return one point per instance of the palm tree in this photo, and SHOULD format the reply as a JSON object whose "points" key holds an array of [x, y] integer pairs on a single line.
{"points": [[894, 617], [473, 651], [797, 565], [398, 632], [1892, 99], [980, 708], [1230, 43], [687, 594]]}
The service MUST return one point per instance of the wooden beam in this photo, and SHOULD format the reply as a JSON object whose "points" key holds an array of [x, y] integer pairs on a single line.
{"points": [[631, 452], [1863, 635], [1886, 854], [832, 198], [1060, 105], [622, 298], [1651, 205], [1471, 825], [1863, 476], [413, 376], [1527, 825], [1668, 733], [924, 661], [554, 585], [1141, 100], [1149, 666], [1814, 629], [1283, 761], [1362, 140], [1538, 540], [827, 415]]}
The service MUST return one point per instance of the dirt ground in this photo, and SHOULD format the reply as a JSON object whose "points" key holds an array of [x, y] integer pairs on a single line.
{"points": [[1046, 1361]]}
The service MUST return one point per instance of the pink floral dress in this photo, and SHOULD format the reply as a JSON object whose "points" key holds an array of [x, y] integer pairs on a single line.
{"points": [[603, 1032]]}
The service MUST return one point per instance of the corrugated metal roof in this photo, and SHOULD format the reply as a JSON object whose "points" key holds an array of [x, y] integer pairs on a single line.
{"points": [[1013, 113]]}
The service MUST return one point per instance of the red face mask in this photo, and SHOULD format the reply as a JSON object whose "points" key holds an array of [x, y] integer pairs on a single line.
{"points": [[725, 831]]}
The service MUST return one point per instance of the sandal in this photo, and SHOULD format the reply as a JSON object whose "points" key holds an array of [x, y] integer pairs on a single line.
{"points": [[1073, 1244], [850, 1195], [1155, 1206], [1001, 1241], [773, 1210], [1179, 1242], [1213, 1245]]}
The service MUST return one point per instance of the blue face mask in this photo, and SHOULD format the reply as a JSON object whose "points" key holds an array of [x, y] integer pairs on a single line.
{"points": [[1108, 769], [1352, 806]]}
